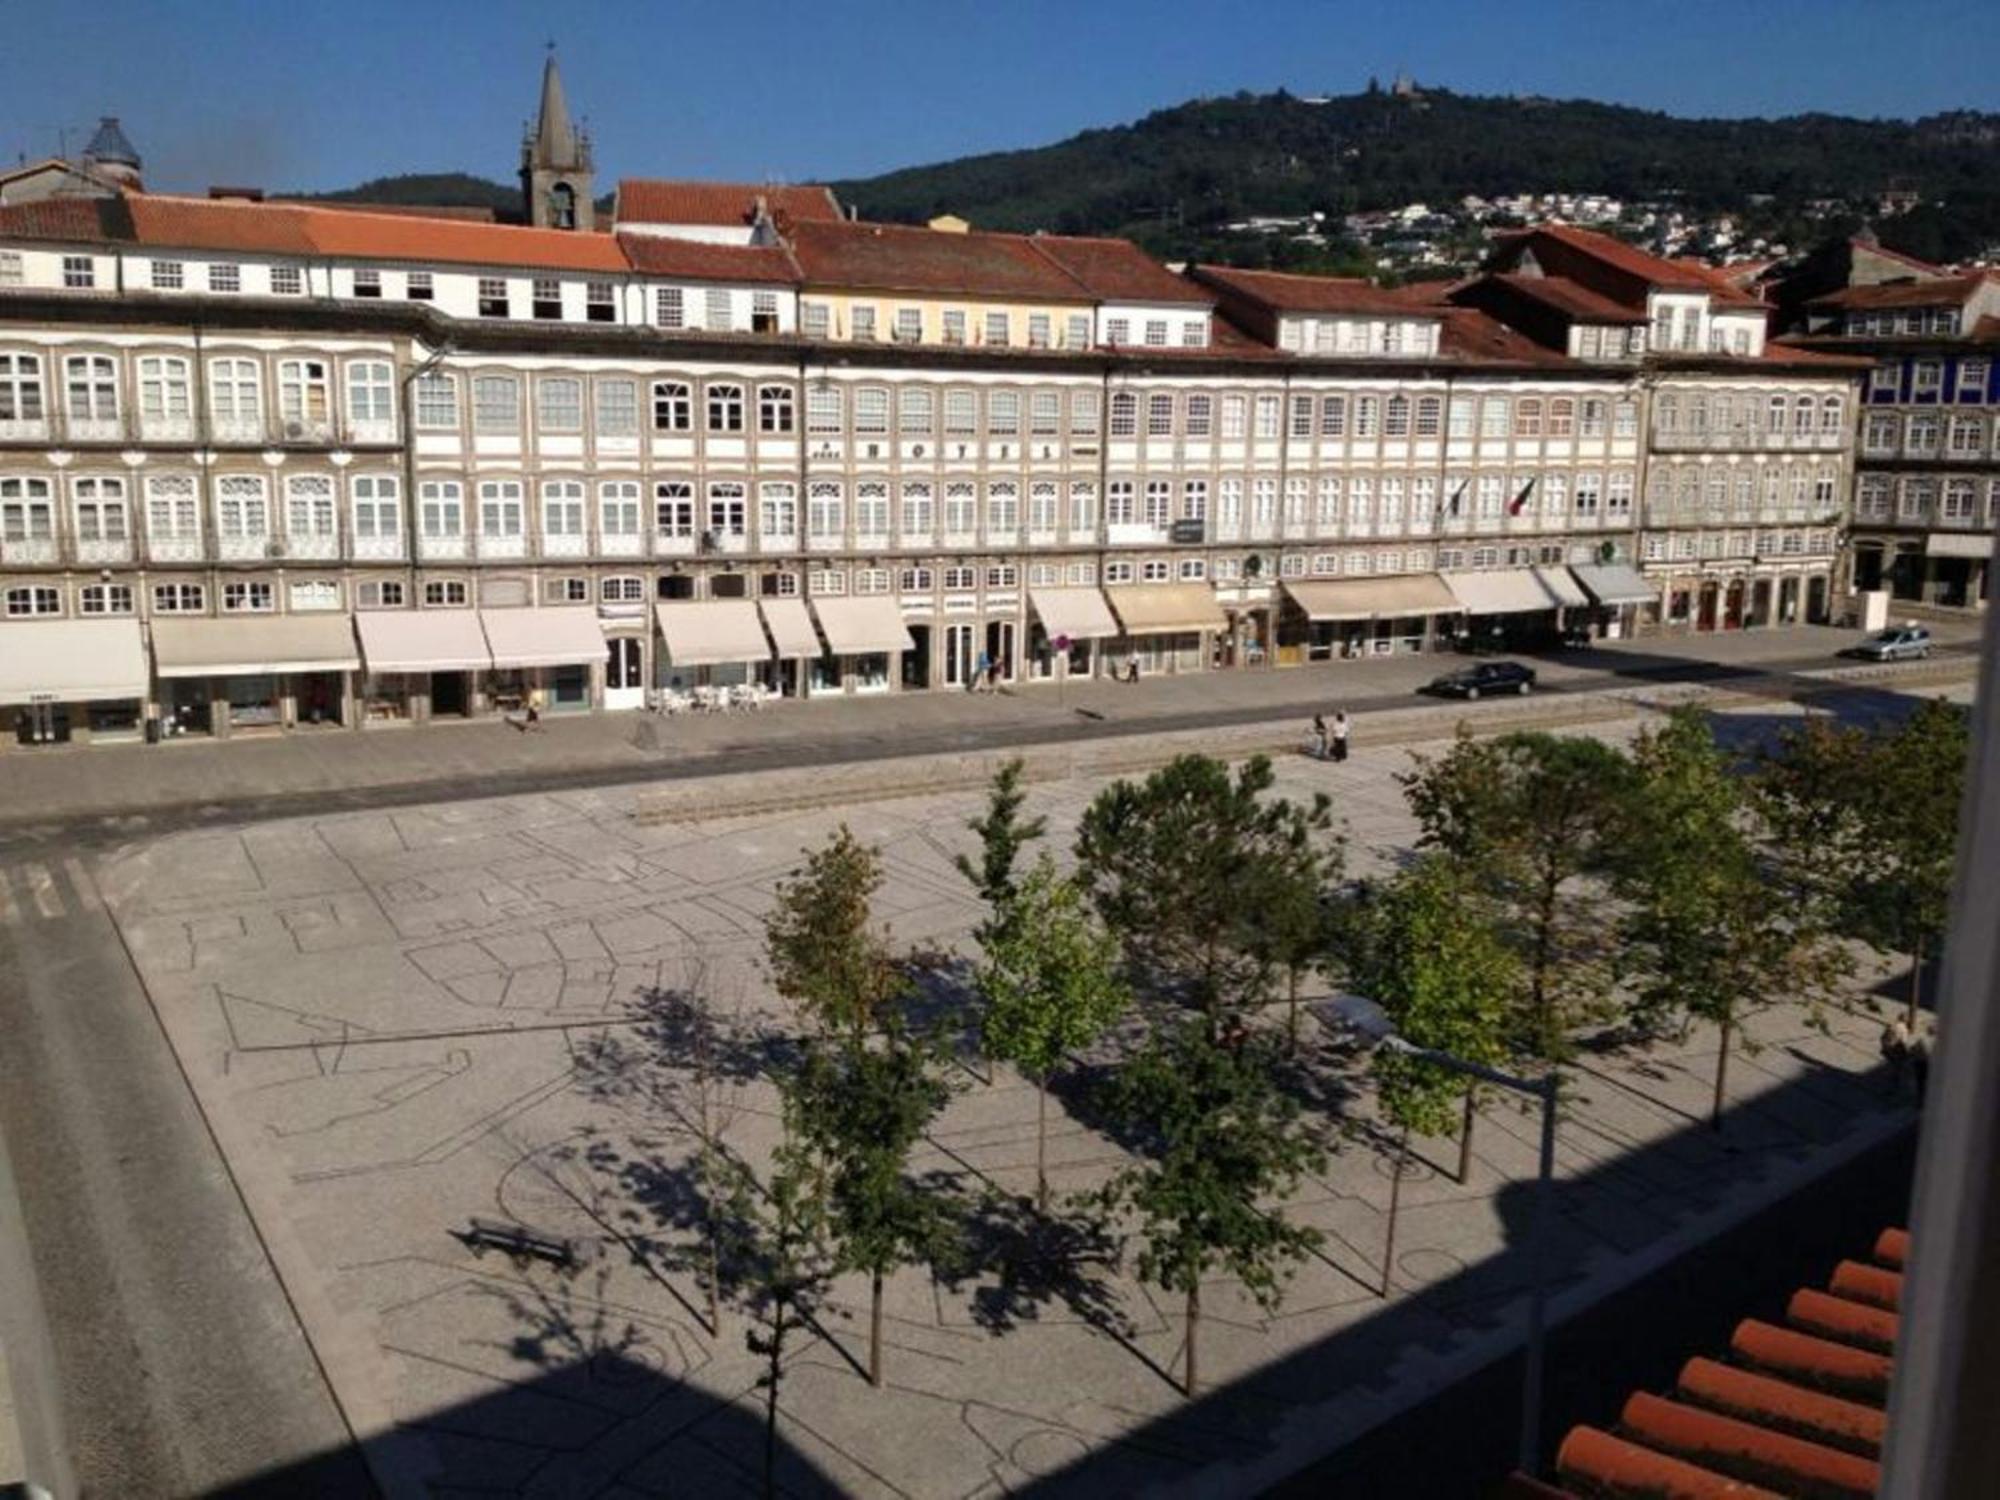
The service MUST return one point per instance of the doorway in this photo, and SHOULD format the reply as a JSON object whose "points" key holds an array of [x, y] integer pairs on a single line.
{"points": [[958, 656], [43, 724], [624, 672], [448, 695], [917, 660], [1000, 650]]}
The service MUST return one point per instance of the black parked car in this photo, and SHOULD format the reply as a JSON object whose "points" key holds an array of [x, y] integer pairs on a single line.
{"points": [[1485, 679]]}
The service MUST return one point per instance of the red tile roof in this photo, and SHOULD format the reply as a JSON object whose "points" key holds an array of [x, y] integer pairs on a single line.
{"points": [[1576, 302], [1564, 250], [898, 258], [661, 255], [1119, 271], [652, 200], [469, 212], [1936, 291], [219, 224], [1469, 334], [1286, 292], [385, 237], [1800, 1411], [71, 220]]}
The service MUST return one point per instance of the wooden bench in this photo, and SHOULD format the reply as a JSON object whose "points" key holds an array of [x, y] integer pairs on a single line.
{"points": [[519, 1241]]}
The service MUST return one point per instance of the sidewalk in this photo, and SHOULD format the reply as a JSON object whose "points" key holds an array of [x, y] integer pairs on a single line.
{"points": [[329, 769]]}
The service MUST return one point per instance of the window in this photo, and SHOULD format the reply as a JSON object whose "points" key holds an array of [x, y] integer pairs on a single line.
{"points": [[20, 388], [1972, 377], [1076, 331], [172, 513], [242, 511], [1042, 505], [248, 596], [304, 399], [1586, 497], [27, 511], [1156, 333], [960, 580], [1124, 415], [725, 408], [861, 324], [1459, 418], [545, 298], [288, 281], [673, 406], [1194, 334], [673, 509], [501, 509], [1003, 413], [378, 508], [371, 395], [871, 411], [1003, 510], [998, 329], [779, 585], [572, 590], [871, 509], [313, 593], [562, 508], [670, 307], [915, 581], [1365, 416], [1625, 420], [826, 507], [224, 276], [960, 505], [90, 384], [916, 411], [1926, 376], [368, 284], [105, 599], [617, 408], [727, 509], [1194, 500], [954, 326], [1396, 417], [919, 514], [100, 511], [559, 403], [1159, 416], [1004, 576], [1967, 437], [1039, 331], [600, 302], [961, 413], [1082, 508], [1495, 416], [10, 268], [1117, 331], [444, 592], [163, 389], [1118, 571], [79, 272], [1562, 417], [826, 410], [493, 297], [496, 405], [1120, 508], [437, 402], [418, 287], [719, 310], [1200, 415], [26, 602], [308, 508], [1267, 416], [774, 408], [1045, 413], [1082, 574], [1159, 503], [909, 324], [1083, 413], [778, 512], [178, 599], [168, 276]]}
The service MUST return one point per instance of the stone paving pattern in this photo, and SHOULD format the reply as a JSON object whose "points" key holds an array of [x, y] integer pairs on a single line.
{"points": [[402, 1015]]}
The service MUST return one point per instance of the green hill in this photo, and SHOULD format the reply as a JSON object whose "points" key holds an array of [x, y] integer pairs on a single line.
{"points": [[433, 189]]}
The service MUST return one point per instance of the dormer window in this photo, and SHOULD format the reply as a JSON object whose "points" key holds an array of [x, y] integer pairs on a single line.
{"points": [[79, 272], [764, 312], [669, 307], [419, 287], [287, 281], [1156, 333], [909, 324], [368, 283], [493, 297], [225, 276], [600, 302], [547, 298], [167, 276], [861, 324]]}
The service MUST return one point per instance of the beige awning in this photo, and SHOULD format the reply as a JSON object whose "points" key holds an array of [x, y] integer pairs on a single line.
{"points": [[1374, 598], [558, 637], [1166, 608], [1563, 588], [422, 640], [1508, 592], [1081, 614], [71, 661], [708, 632], [858, 627], [1615, 583], [253, 645], [791, 627], [1958, 544]]}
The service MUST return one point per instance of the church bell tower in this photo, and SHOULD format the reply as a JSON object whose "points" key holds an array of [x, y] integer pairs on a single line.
{"points": [[556, 171]]}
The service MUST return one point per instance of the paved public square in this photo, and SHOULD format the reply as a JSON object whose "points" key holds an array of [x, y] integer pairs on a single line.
{"points": [[400, 1019]]}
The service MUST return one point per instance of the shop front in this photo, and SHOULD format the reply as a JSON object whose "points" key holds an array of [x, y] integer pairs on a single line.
{"points": [[1512, 609], [72, 680], [1618, 593], [790, 626], [1958, 567], [419, 663], [543, 658], [865, 639], [256, 673], [1161, 626], [1068, 628], [709, 643], [1343, 619]]}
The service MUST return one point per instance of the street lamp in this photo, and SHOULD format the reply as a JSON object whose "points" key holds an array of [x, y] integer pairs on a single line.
{"points": [[1366, 1016]]}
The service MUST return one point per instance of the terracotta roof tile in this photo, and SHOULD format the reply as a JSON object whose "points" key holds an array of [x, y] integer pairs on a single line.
{"points": [[1572, 299], [1936, 291], [452, 241], [218, 224], [1469, 334], [660, 255], [898, 258], [1118, 270], [72, 220], [1287, 292], [652, 200]]}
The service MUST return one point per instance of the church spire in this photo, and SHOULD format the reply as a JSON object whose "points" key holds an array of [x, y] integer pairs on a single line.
{"points": [[555, 160]]}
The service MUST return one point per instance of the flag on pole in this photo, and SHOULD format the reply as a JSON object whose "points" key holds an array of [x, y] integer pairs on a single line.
{"points": [[1522, 498], [1450, 506]]}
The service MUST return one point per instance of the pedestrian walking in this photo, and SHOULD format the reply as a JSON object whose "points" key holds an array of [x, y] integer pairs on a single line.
{"points": [[1132, 667], [979, 670], [1340, 730], [1317, 742], [1894, 1046]]}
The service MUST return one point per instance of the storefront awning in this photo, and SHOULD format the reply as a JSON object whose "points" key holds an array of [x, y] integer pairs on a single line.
{"points": [[254, 645], [1373, 598], [559, 637], [708, 632], [1957, 544], [859, 627], [1508, 592], [1563, 587], [1615, 583], [791, 627], [71, 661], [422, 640], [1166, 608], [1081, 614]]}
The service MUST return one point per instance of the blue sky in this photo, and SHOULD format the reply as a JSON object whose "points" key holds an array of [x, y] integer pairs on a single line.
{"points": [[303, 93]]}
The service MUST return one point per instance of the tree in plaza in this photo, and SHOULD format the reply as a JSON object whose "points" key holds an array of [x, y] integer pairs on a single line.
{"points": [[1911, 787], [1003, 834], [1295, 913], [1533, 818], [1050, 979], [1809, 791], [1430, 957], [1706, 939], [822, 951], [1221, 1141], [1178, 865], [861, 1110]]}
